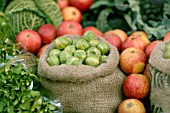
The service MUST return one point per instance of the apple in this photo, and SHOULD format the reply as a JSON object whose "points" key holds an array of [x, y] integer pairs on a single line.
{"points": [[150, 47], [132, 60], [69, 27], [71, 13], [143, 35], [47, 33], [134, 41], [113, 39], [93, 29], [62, 3], [131, 106], [146, 71], [82, 5], [136, 86], [122, 34], [167, 36], [41, 50], [28, 40]]}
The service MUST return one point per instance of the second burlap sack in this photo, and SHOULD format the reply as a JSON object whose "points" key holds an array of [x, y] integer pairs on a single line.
{"points": [[160, 80], [84, 89]]}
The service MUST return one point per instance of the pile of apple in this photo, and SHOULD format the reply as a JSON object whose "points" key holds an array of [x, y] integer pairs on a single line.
{"points": [[134, 49]]}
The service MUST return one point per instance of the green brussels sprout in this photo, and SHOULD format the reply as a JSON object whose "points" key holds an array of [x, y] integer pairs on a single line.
{"points": [[168, 46], [93, 43], [62, 42], [54, 52], [167, 54], [82, 44], [103, 57], [53, 60], [71, 48], [103, 47], [64, 55], [73, 61], [74, 41], [88, 35], [93, 51], [81, 54], [92, 61]]}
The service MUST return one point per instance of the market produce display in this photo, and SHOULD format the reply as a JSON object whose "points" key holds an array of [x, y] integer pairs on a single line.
{"points": [[92, 56]]}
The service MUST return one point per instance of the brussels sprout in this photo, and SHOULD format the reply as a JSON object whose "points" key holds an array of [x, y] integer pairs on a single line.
{"points": [[70, 48], [55, 52], [73, 61], [103, 57], [92, 61], [62, 42], [93, 51], [88, 35], [93, 43], [82, 44], [81, 54], [168, 46], [74, 41], [53, 60], [64, 55], [103, 47]]}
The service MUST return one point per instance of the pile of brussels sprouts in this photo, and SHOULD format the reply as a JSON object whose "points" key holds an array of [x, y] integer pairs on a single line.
{"points": [[87, 50]]}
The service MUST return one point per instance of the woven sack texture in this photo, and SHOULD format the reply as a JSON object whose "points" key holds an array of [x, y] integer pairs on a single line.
{"points": [[84, 89], [160, 80]]}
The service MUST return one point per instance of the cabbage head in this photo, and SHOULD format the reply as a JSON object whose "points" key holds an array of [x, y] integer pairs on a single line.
{"points": [[31, 14]]}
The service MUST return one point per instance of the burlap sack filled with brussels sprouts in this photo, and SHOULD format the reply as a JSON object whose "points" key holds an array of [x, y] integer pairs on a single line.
{"points": [[86, 77], [160, 78]]}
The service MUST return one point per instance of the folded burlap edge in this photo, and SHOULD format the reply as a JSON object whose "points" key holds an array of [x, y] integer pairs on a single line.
{"points": [[157, 59]]}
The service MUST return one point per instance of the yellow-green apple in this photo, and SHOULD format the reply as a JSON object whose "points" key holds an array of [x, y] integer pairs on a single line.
{"points": [[47, 33], [41, 50], [150, 47], [71, 13], [136, 86], [28, 40], [122, 34], [131, 106], [62, 3], [82, 5], [69, 27], [134, 41], [167, 36], [93, 29], [132, 60], [113, 39], [143, 35]]}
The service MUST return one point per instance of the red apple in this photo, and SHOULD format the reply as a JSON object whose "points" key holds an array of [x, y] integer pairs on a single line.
{"points": [[41, 50], [71, 13], [29, 40], [69, 27], [143, 35], [134, 41], [146, 71], [167, 36], [47, 33], [133, 60], [150, 47], [122, 34], [93, 29], [136, 86], [113, 39], [62, 3], [82, 5], [131, 106]]}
